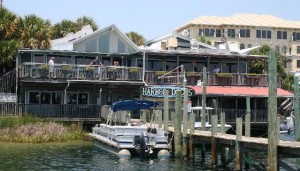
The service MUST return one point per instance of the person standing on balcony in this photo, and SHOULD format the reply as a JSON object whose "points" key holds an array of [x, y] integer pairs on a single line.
{"points": [[96, 62], [51, 67], [216, 69]]}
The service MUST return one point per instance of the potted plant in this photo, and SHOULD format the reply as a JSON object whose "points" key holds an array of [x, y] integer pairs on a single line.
{"points": [[134, 70], [66, 70], [253, 75], [44, 70], [227, 75], [160, 73]]}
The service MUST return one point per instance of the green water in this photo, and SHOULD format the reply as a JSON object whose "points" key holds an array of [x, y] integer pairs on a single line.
{"points": [[82, 155]]}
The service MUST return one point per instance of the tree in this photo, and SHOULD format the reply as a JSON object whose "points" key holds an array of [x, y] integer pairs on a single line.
{"points": [[62, 28], [203, 40], [35, 32], [9, 32], [136, 38], [257, 66], [82, 21]]}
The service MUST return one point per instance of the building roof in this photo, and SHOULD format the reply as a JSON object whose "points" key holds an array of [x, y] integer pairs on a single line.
{"points": [[106, 29], [177, 35], [243, 19], [240, 91]]}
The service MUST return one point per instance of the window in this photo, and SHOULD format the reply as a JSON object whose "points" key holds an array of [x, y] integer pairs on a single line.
{"points": [[298, 49], [298, 63], [231, 33], [218, 33], [296, 36], [45, 97], [281, 35], [38, 58], [77, 98], [209, 32], [265, 34], [242, 46], [155, 65], [249, 46], [245, 33]]}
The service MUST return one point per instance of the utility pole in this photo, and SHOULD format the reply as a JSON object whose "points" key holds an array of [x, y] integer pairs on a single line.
{"points": [[1, 1]]}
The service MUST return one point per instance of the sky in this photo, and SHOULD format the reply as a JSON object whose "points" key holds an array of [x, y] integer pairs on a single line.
{"points": [[150, 18]]}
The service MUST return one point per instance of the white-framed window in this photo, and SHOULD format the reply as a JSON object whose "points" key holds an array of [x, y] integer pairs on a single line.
{"points": [[43, 97], [78, 98], [264, 34], [298, 49], [281, 35], [245, 33], [296, 36], [298, 63], [231, 33]]}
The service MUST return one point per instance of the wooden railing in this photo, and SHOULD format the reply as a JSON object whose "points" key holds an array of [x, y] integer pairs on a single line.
{"points": [[51, 111], [70, 111], [220, 79], [79, 72]]}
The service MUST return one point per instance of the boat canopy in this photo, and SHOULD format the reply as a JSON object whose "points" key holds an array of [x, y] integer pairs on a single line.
{"points": [[133, 105]]}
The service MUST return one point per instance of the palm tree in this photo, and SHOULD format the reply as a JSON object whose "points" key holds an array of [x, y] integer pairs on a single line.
{"points": [[82, 21], [35, 32], [62, 28], [136, 38], [9, 41]]}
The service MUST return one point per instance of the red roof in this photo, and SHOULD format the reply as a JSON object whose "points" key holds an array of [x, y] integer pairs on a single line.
{"points": [[240, 91]]}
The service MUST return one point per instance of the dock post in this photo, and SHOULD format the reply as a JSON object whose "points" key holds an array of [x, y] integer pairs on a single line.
{"points": [[239, 131], [222, 131], [159, 117], [272, 112], [222, 123], [247, 127], [203, 110], [166, 111], [184, 122], [214, 153], [248, 118], [177, 124], [192, 129], [296, 109]]}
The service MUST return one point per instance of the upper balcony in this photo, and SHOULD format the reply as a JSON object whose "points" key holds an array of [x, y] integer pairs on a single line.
{"points": [[36, 71], [213, 79], [79, 72]]}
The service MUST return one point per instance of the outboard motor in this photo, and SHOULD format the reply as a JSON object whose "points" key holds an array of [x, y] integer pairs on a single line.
{"points": [[143, 145]]}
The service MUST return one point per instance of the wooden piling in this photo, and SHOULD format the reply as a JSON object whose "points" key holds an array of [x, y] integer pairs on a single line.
{"points": [[177, 124], [247, 127], [184, 122], [248, 118], [272, 112], [296, 108], [159, 117], [222, 123], [192, 130], [239, 131], [166, 111], [203, 110], [214, 154]]}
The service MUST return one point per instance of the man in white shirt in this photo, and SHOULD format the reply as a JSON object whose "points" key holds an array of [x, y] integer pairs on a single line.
{"points": [[51, 67]]}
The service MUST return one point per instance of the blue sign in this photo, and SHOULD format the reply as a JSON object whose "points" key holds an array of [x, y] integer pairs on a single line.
{"points": [[158, 91]]}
